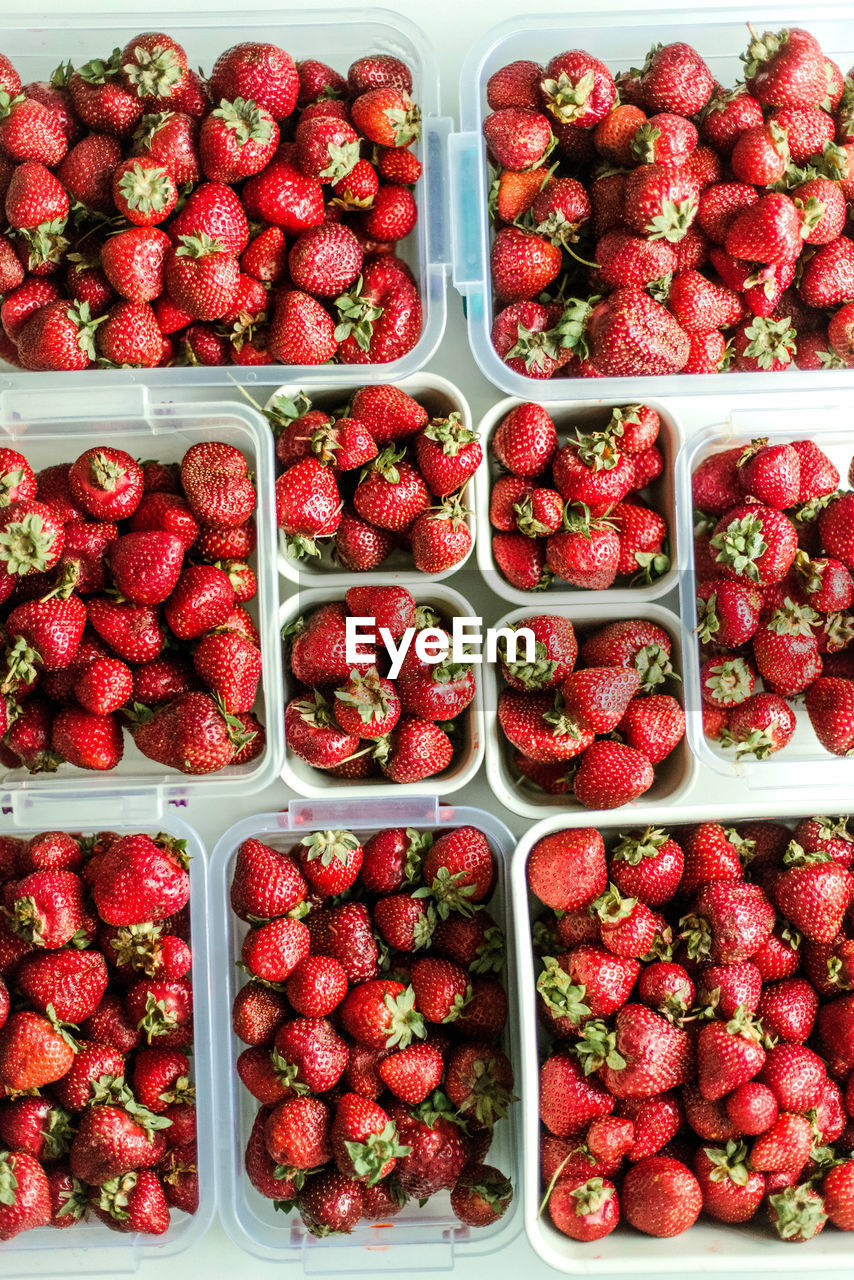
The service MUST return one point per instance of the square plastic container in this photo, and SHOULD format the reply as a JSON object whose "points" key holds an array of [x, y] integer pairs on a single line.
{"points": [[50, 426], [428, 1239], [804, 762], [91, 1247], [708, 1248], [673, 777], [621, 40], [305, 780], [36, 44], [588, 417], [441, 398]]}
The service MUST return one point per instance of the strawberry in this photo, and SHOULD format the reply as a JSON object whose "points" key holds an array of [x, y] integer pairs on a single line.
{"points": [[653, 725], [769, 231], [230, 666], [325, 260], [380, 318], [302, 332], [34, 1051], [190, 734], [258, 1011], [330, 861], [728, 923], [30, 131], [643, 1055], [261, 72], [584, 1210], [630, 333], [386, 115], [661, 1197], [170, 138], [142, 879], [753, 1107], [481, 1195], [154, 65], [388, 412], [786, 69], [786, 1145], [611, 774], [756, 542], [760, 725], [536, 725], [31, 538], [132, 631], [316, 986], [675, 78], [813, 891], [731, 1192], [364, 1139], [836, 526], [26, 1199], [374, 71], [44, 632], [837, 1193], [58, 336], [700, 304], [213, 213], [265, 883], [525, 441], [597, 697], [330, 1203], [100, 99], [134, 1202], [237, 139], [215, 478]]}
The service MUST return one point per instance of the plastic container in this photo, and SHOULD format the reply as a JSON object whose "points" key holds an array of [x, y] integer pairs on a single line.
{"points": [[441, 398], [709, 1248], [804, 762], [588, 417], [418, 1239], [719, 36], [305, 780], [91, 1247], [36, 44], [673, 777], [50, 426]]}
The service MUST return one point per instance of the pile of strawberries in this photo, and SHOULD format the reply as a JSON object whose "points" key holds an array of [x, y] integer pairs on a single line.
{"points": [[373, 1024], [159, 217], [375, 475], [574, 512], [774, 555], [122, 587], [596, 730], [697, 986], [354, 723], [654, 222], [98, 1116]]}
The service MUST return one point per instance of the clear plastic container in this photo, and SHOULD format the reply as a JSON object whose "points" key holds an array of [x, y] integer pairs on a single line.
{"points": [[719, 36], [36, 44], [418, 1239], [305, 780], [441, 398], [673, 777], [708, 1248], [91, 1247], [50, 426], [804, 762], [588, 417]]}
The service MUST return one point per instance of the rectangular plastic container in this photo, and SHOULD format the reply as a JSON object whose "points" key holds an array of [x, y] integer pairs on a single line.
{"points": [[91, 1248], [305, 780], [708, 1248], [673, 777], [441, 398], [51, 426], [587, 417], [418, 1239], [621, 40], [804, 762], [36, 44]]}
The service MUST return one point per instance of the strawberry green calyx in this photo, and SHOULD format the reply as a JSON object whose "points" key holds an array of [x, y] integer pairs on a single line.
{"points": [[384, 464], [770, 341], [839, 631], [330, 846], [438, 1106], [26, 921], [597, 1048], [566, 99], [447, 672], [812, 211], [708, 622], [105, 473], [114, 1196], [561, 995], [762, 49], [729, 1162], [449, 895], [535, 347], [426, 616], [532, 675], [417, 845], [798, 1212], [562, 724], [526, 521], [570, 332], [22, 663], [494, 1190], [797, 856], [450, 432], [740, 545], [181, 1091], [834, 828], [200, 246], [643, 143], [177, 849], [633, 849], [591, 1196], [356, 317], [544, 937], [60, 75], [488, 1099], [612, 907], [461, 1003], [238, 734], [406, 123], [26, 546], [760, 743], [372, 703], [76, 1201], [369, 1158], [697, 933], [491, 953], [743, 1024], [158, 1019], [147, 190], [405, 1021], [654, 667], [793, 619], [8, 101], [672, 223], [343, 158], [9, 481], [154, 73], [46, 242], [729, 681], [58, 1133], [288, 1073], [651, 565], [246, 120], [99, 71], [284, 409], [599, 450]]}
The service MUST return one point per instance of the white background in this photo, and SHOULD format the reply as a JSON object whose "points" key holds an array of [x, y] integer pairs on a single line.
{"points": [[451, 26]]}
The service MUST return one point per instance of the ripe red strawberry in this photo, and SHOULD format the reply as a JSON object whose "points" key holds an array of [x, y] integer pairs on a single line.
{"points": [[142, 879], [330, 1203], [34, 1051], [597, 697], [260, 72], [302, 332], [700, 304], [759, 726], [728, 923], [630, 333], [661, 1197], [416, 749], [31, 539], [653, 725], [134, 262], [786, 69], [265, 883], [230, 666], [316, 986], [675, 78], [330, 860], [46, 632], [522, 560], [537, 726], [837, 1194], [170, 138], [379, 319], [190, 734], [813, 891], [611, 774], [481, 1195], [58, 336], [364, 1139], [26, 1204], [237, 139]]}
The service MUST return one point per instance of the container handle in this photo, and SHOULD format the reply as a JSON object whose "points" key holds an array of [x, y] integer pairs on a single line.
{"points": [[438, 130], [130, 400], [41, 810], [397, 811], [465, 158]]}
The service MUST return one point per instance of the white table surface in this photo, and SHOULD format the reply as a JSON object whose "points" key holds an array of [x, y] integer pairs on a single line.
{"points": [[452, 27]]}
